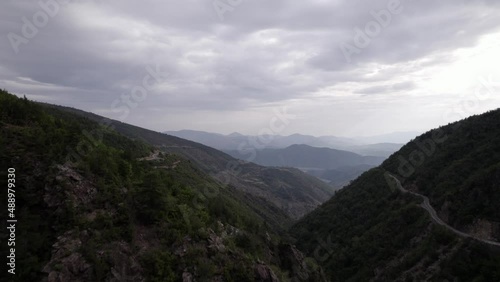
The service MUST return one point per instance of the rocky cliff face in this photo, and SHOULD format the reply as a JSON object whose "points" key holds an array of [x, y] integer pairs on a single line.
{"points": [[69, 262]]}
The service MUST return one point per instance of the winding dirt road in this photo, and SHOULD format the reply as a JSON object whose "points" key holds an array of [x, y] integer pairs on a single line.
{"points": [[432, 212]]}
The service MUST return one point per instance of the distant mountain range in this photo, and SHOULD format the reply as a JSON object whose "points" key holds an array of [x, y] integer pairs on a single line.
{"points": [[335, 160], [340, 177], [304, 156], [336, 167], [381, 145]]}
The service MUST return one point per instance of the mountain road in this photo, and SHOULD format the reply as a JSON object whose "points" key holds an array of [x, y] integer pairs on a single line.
{"points": [[432, 212]]}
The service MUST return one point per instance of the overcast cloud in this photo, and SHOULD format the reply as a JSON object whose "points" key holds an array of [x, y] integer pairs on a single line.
{"points": [[229, 70]]}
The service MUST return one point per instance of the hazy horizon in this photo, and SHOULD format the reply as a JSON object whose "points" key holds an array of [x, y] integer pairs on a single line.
{"points": [[300, 133]]}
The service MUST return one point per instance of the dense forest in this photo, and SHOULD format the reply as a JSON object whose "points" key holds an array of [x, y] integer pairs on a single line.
{"points": [[98, 200], [110, 208], [374, 231]]}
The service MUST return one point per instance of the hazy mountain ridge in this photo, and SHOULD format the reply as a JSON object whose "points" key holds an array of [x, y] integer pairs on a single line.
{"points": [[304, 156], [313, 155], [376, 145], [336, 167], [341, 176]]}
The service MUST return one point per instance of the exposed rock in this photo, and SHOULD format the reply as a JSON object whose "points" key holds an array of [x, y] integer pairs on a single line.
{"points": [[187, 277], [126, 266], [74, 185], [268, 237], [215, 242], [295, 261], [444, 211], [66, 263], [482, 228], [264, 273], [182, 249], [145, 239]]}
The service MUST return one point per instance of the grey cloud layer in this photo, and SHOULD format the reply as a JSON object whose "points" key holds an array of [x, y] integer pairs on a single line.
{"points": [[263, 52]]}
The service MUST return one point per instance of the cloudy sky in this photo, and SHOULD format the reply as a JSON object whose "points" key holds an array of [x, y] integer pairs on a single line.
{"points": [[337, 67]]}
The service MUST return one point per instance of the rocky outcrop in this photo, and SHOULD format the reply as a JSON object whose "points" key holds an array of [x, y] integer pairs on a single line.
{"points": [[71, 186], [301, 268], [484, 229], [215, 243], [264, 273], [67, 264], [125, 264], [187, 277]]}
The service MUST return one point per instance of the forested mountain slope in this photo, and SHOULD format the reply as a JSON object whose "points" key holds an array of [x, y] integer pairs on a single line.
{"points": [[94, 205], [288, 189], [370, 230]]}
